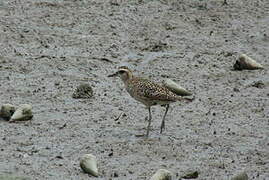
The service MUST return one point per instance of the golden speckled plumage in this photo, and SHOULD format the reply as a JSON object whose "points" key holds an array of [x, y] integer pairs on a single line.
{"points": [[147, 92]]}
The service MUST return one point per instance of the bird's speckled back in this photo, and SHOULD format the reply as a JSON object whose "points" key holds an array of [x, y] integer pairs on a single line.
{"points": [[148, 92]]}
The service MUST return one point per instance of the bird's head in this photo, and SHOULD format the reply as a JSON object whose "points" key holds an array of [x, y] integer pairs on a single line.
{"points": [[124, 73]]}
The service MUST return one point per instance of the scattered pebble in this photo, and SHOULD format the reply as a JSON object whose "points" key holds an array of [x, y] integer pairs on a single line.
{"points": [[83, 91], [191, 175], [23, 113], [175, 88], [241, 176], [115, 175], [245, 62], [162, 174], [257, 84], [7, 110], [236, 89], [89, 165]]}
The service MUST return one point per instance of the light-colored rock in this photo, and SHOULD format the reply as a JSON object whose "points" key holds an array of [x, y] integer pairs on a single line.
{"points": [[176, 88], [7, 111], [245, 62], [88, 164], [23, 113], [162, 174], [241, 176]]}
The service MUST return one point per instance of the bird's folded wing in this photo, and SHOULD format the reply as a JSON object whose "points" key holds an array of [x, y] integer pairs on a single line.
{"points": [[154, 91]]}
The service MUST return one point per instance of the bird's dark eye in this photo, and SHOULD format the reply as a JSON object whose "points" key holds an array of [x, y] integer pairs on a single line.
{"points": [[121, 72]]}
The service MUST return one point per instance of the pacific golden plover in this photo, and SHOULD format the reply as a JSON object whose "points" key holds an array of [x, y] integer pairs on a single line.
{"points": [[147, 92]]}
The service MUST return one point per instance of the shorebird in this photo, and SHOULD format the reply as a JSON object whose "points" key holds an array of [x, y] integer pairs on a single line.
{"points": [[147, 92]]}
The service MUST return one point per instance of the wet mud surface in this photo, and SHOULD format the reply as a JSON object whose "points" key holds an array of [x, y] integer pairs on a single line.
{"points": [[48, 48]]}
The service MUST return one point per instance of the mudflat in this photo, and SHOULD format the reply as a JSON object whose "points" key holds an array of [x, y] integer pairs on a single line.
{"points": [[48, 48]]}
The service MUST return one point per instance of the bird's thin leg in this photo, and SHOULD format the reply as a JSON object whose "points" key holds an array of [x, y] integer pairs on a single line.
{"points": [[149, 122], [163, 121]]}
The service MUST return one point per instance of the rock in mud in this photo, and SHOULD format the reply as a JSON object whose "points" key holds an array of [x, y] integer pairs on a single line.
{"points": [[175, 88], [257, 84], [83, 91], [7, 110], [245, 62], [23, 113], [191, 175], [241, 176], [162, 174], [88, 164]]}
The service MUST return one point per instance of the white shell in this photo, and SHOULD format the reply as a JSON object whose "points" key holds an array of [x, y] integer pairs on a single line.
{"points": [[89, 165], [23, 113], [162, 174], [175, 88], [7, 110], [245, 62]]}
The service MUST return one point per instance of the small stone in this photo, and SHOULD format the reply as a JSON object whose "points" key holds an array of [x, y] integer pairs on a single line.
{"points": [[236, 89], [83, 91], [258, 84], [23, 113], [162, 174], [115, 174], [56, 83], [89, 165], [191, 175], [245, 62], [7, 110], [241, 176]]}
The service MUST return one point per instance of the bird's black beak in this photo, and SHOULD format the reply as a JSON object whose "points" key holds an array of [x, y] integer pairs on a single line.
{"points": [[113, 75]]}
